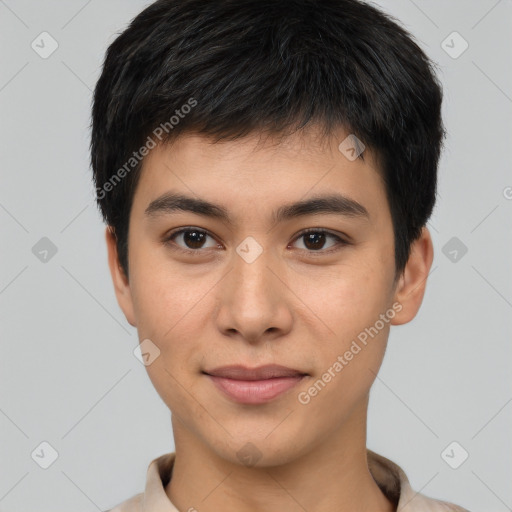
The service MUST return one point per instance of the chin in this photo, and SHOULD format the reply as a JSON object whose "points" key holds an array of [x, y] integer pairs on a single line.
{"points": [[259, 452]]}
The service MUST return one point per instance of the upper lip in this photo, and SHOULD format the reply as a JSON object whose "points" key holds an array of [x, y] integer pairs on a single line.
{"points": [[239, 372]]}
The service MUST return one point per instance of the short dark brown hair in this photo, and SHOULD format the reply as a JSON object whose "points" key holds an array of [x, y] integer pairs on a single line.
{"points": [[226, 68]]}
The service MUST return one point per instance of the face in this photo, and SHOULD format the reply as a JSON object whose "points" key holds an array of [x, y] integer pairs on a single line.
{"points": [[254, 281]]}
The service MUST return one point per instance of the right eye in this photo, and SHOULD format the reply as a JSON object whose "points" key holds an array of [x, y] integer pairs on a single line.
{"points": [[192, 240]]}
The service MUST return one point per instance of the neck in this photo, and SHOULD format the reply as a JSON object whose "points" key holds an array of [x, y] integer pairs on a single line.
{"points": [[332, 476]]}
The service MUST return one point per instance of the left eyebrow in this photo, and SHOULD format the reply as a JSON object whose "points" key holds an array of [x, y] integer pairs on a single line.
{"points": [[337, 204], [334, 203]]}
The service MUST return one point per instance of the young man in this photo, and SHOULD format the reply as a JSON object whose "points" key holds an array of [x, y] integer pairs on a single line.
{"points": [[266, 169]]}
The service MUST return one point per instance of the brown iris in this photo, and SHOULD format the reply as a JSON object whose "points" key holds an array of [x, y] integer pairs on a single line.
{"points": [[314, 241]]}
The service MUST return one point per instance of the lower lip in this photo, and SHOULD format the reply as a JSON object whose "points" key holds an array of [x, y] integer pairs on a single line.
{"points": [[255, 391]]}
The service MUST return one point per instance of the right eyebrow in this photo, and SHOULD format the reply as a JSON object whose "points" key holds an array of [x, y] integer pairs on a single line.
{"points": [[171, 202]]}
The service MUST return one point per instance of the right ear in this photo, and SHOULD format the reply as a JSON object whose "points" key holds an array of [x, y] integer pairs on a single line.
{"points": [[119, 279]]}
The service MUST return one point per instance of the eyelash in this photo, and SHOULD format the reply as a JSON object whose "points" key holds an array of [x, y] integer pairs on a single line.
{"points": [[169, 241]]}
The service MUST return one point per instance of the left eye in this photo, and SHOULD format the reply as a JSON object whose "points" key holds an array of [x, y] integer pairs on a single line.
{"points": [[314, 240]]}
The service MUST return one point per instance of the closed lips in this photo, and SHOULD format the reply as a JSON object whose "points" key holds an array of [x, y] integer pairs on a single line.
{"points": [[238, 372]]}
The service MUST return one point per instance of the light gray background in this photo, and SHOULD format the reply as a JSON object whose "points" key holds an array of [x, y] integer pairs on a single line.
{"points": [[68, 375]]}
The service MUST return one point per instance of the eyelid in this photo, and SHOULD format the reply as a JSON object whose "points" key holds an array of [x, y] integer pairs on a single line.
{"points": [[340, 236]]}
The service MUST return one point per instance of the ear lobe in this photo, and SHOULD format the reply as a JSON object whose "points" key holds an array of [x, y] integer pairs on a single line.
{"points": [[412, 283], [119, 279]]}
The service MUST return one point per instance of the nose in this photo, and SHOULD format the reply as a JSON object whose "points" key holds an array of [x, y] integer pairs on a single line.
{"points": [[254, 300]]}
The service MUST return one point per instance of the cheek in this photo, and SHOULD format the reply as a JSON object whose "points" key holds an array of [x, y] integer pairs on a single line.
{"points": [[346, 299], [349, 359], [172, 310], [169, 314], [350, 303], [163, 296]]}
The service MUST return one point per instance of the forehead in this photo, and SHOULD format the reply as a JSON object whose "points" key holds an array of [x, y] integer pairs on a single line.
{"points": [[257, 174]]}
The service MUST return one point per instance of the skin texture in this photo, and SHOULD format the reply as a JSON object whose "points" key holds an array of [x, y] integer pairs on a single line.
{"points": [[292, 306]]}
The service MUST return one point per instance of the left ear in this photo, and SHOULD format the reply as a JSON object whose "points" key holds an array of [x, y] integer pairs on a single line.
{"points": [[411, 286]]}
